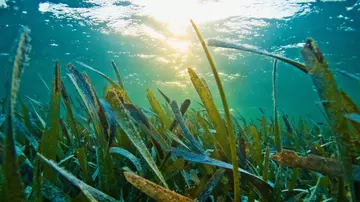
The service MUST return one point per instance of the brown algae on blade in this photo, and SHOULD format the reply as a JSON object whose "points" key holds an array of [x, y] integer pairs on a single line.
{"points": [[331, 100], [153, 190], [319, 164], [14, 189]]}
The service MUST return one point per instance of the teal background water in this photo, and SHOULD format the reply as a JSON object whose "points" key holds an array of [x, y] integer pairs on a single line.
{"points": [[153, 44]]}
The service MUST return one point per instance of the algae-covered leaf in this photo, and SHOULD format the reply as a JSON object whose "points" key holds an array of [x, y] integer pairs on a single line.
{"points": [[50, 137], [135, 161], [211, 184], [314, 163], [328, 92], [13, 183], [205, 96], [153, 190], [223, 44], [91, 193]]}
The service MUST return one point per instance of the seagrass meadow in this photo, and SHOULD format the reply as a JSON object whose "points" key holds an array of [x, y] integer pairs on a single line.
{"points": [[110, 149]]}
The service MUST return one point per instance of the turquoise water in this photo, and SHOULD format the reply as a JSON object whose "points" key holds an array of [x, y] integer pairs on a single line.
{"points": [[153, 44]]}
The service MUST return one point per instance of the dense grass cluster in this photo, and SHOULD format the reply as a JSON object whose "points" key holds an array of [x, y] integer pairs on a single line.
{"points": [[113, 150]]}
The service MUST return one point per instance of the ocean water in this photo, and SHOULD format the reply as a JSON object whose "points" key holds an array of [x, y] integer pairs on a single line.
{"points": [[152, 43]]}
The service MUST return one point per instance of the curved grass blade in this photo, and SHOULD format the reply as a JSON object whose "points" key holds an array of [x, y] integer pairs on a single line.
{"points": [[153, 190], [314, 190], [91, 193], [134, 136], [264, 188], [111, 120], [234, 158], [52, 193], [36, 187], [265, 170], [43, 124], [81, 156], [128, 155], [172, 136], [278, 184], [103, 120], [155, 105], [85, 89], [2, 183], [353, 117], [69, 113], [165, 97], [81, 86], [185, 129], [42, 80], [107, 181], [113, 84], [26, 117], [276, 122], [117, 74], [222, 44], [211, 184], [20, 62], [351, 108], [51, 135], [184, 106], [257, 146], [20, 127], [212, 111], [13, 183], [348, 75]]}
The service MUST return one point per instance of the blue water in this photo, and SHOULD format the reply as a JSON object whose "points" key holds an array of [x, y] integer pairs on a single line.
{"points": [[153, 44]]}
